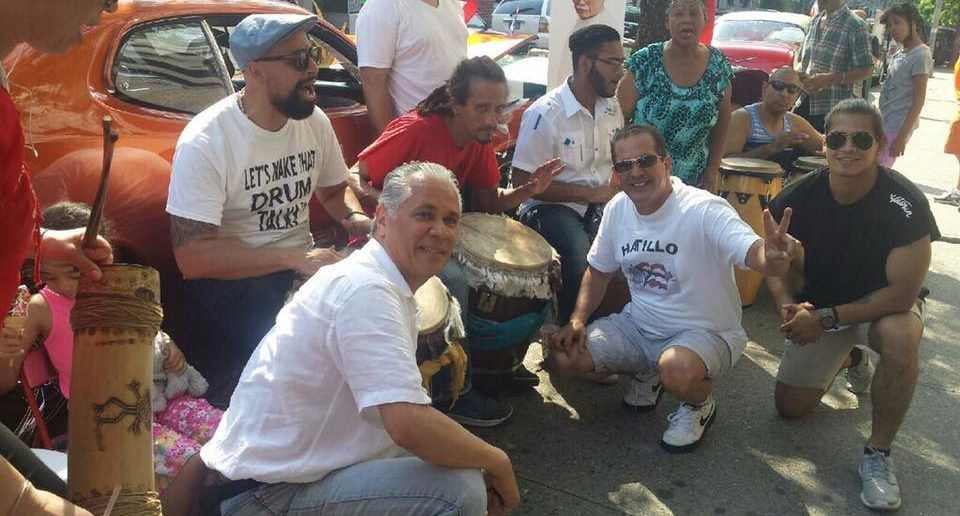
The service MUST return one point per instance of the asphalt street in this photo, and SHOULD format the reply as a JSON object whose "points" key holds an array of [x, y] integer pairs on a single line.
{"points": [[576, 452]]}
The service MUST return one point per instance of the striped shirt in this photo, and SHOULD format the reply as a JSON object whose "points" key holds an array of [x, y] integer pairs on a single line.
{"points": [[838, 44]]}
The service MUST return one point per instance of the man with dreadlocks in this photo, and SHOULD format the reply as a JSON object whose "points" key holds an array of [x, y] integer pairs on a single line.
{"points": [[453, 127]]}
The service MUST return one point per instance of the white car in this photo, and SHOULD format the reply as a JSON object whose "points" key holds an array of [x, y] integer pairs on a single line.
{"points": [[526, 17]]}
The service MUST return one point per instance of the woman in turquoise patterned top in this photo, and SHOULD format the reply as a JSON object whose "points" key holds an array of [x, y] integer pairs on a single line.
{"points": [[683, 89]]}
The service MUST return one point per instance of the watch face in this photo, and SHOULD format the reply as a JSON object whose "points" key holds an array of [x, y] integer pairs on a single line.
{"points": [[826, 318]]}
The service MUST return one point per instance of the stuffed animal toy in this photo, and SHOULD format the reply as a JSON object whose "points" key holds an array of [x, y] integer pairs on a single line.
{"points": [[167, 386]]}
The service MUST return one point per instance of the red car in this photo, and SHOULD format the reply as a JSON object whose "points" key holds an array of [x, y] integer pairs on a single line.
{"points": [[762, 40], [151, 66]]}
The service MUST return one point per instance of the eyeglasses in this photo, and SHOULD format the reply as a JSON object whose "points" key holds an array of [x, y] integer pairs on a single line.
{"points": [[110, 5], [837, 140], [780, 86], [300, 59], [642, 161], [616, 63]]}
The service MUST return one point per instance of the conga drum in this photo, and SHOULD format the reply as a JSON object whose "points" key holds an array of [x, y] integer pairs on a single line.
{"points": [[114, 323], [441, 360], [803, 166], [512, 272], [748, 185]]}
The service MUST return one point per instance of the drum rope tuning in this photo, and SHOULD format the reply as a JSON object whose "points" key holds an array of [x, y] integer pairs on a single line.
{"points": [[130, 502], [121, 311]]}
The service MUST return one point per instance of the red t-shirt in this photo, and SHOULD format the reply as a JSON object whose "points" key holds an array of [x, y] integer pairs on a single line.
{"points": [[413, 137], [19, 218]]}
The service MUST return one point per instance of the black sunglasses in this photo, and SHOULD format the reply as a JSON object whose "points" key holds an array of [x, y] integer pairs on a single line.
{"points": [[861, 140], [642, 161], [780, 86], [300, 59]]}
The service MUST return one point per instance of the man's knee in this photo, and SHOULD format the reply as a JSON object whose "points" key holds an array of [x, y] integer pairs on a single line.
{"points": [[572, 365], [467, 487], [795, 402], [681, 370], [897, 338]]}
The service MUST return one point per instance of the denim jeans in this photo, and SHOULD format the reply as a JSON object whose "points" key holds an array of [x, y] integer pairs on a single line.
{"points": [[571, 235], [225, 321], [453, 278], [404, 485]]}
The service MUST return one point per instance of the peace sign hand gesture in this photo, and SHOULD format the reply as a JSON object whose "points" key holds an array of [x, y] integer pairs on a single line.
{"points": [[779, 247]]}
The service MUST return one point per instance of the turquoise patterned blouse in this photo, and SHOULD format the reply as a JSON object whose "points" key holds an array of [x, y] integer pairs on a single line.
{"points": [[685, 116]]}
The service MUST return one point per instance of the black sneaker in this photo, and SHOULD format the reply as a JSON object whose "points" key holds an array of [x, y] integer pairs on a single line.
{"points": [[475, 409], [525, 377]]}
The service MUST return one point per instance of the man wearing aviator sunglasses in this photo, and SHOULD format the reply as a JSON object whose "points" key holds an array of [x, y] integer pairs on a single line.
{"points": [[866, 233], [767, 129], [244, 173]]}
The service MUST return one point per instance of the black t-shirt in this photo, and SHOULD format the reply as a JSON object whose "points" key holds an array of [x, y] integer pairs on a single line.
{"points": [[846, 246]]}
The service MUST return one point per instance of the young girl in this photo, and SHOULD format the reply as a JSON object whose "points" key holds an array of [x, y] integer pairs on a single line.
{"points": [[185, 422], [904, 92]]}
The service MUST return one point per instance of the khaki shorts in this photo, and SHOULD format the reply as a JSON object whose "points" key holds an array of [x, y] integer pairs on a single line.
{"points": [[814, 365]]}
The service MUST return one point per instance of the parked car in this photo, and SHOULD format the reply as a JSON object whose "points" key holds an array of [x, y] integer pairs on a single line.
{"points": [[524, 17], [151, 66], [764, 40]]}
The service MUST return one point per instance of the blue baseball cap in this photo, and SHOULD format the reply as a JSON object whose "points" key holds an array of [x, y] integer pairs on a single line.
{"points": [[253, 37]]}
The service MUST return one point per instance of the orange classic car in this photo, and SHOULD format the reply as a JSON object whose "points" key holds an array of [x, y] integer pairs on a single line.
{"points": [[151, 66]]}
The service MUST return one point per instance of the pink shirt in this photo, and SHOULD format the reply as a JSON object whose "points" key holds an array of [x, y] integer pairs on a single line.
{"points": [[59, 342]]}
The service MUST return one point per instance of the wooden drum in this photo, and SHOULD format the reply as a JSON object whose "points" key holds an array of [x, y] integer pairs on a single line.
{"points": [[438, 350], [512, 272], [804, 165], [748, 185], [111, 441]]}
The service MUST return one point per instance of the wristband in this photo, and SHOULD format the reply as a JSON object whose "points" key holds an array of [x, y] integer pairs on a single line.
{"points": [[843, 76]]}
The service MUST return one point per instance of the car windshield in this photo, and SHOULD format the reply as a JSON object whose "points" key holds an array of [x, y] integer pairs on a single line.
{"points": [[758, 30]]}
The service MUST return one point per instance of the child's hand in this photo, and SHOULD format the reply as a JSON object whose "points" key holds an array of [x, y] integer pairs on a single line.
{"points": [[174, 363], [10, 344]]}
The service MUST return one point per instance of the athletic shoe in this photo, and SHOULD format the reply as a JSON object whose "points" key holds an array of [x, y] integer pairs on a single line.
{"points": [[880, 489], [860, 376], [524, 377], [475, 409], [952, 197], [644, 393], [687, 426]]}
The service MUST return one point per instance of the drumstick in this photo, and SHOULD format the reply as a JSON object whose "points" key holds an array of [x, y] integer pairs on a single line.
{"points": [[110, 137]]}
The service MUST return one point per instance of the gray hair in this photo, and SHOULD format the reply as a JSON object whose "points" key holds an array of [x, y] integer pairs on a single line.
{"points": [[398, 185], [784, 70]]}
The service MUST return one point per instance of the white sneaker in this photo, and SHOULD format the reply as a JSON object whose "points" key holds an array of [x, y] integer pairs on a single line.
{"points": [[860, 376], [644, 393], [687, 426], [880, 489], [951, 197]]}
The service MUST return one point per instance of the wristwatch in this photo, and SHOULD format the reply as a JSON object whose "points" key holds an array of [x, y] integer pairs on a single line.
{"points": [[828, 318]]}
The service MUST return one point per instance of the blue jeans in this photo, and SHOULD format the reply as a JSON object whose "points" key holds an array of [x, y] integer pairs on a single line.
{"points": [[404, 485], [453, 278], [225, 321], [571, 235]]}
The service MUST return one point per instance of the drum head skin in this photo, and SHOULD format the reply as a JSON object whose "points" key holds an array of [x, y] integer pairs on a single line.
{"points": [[503, 243], [750, 167], [810, 162], [433, 306]]}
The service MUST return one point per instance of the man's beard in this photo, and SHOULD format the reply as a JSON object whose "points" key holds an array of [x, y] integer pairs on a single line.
{"points": [[599, 84], [292, 106]]}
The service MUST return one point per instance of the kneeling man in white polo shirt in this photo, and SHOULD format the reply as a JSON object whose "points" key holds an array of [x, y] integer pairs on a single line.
{"points": [[330, 411]]}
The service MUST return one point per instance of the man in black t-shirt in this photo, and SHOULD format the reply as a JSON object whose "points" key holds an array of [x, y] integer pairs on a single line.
{"points": [[866, 234]]}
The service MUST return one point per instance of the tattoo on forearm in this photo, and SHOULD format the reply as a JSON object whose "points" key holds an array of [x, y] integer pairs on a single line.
{"points": [[183, 231]]}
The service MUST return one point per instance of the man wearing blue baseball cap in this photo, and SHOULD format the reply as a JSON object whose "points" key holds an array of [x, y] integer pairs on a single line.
{"points": [[243, 174]]}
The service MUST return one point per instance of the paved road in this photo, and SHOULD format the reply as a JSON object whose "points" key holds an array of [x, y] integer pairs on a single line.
{"points": [[577, 453]]}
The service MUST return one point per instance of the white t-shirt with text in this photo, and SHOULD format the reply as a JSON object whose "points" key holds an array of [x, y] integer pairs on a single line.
{"points": [[678, 262], [254, 184], [307, 401], [419, 44]]}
